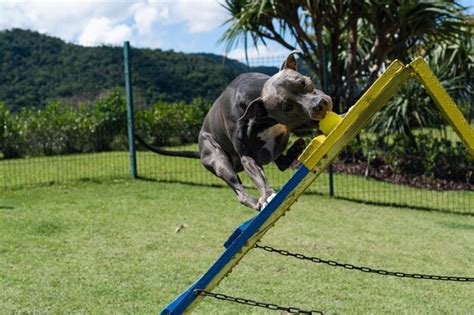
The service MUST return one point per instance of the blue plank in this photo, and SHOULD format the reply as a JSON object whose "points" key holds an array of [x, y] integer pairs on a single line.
{"points": [[236, 241], [237, 232]]}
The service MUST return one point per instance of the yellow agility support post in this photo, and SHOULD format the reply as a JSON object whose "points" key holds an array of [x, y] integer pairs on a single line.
{"points": [[444, 102], [316, 157]]}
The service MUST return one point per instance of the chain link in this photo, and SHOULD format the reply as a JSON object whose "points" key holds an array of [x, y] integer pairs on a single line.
{"points": [[295, 310], [364, 269], [270, 306]]}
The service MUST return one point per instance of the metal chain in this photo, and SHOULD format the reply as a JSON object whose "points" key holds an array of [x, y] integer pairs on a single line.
{"points": [[270, 306], [364, 269], [295, 310]]}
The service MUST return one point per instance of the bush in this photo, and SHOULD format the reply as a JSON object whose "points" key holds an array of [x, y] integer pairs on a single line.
{"points": [[10, 140], [425, 155], [109, 117], [172, 123], [61, 129]]}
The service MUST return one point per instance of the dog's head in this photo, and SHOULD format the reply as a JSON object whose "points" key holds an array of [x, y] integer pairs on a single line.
{"points": [[290, 98]]}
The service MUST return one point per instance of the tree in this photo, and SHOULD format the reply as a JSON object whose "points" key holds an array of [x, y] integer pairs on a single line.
{"points": [[36, 69], [360, 36], [412, 107]]}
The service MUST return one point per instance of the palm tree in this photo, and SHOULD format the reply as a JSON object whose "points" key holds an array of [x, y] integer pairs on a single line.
{"points": [[360, 36], [412, 107]]}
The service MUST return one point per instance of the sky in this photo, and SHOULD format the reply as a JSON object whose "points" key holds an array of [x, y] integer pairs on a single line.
{"points": [[187, 26]]}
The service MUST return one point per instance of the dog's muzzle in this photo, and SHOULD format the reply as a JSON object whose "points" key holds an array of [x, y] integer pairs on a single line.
{"points": [[319, 110]]}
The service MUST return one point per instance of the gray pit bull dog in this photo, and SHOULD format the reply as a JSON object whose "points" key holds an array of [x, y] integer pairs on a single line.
{"points": [[249, 126]]}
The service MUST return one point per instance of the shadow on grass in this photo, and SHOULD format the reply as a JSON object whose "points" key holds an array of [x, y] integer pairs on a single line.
{"points": [[214, 185], [454, 225], [184, 182], [404, 206], [366, 202]]}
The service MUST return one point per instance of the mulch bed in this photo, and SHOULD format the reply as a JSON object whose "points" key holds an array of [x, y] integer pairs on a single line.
{"points": [[386, 174]]}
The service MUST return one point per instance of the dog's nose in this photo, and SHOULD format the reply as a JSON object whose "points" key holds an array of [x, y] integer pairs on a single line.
{"points": [[322, 106], [326, 101], [318, 111]]}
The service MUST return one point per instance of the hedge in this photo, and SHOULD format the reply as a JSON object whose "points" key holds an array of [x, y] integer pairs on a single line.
{"points": [[60, 129]]}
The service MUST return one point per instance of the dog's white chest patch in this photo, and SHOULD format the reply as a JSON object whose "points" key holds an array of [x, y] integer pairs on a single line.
{"points": [[269, 135]]}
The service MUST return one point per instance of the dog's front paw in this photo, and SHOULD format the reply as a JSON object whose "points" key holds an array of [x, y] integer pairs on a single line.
{"points": [[267, 201], [297, 148], [300, 145]]}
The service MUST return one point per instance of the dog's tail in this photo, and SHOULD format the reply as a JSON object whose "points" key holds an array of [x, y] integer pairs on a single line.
{"points": [[187, 154]]}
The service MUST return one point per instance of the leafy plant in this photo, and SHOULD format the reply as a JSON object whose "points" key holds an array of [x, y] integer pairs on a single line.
{"points": [[412, 107], [360, 37], [61, 129], [172, 124], [429, 155], [110, 120]]}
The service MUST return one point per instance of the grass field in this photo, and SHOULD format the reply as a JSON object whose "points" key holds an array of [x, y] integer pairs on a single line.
{"points": [[115, 165], [111, 247]]}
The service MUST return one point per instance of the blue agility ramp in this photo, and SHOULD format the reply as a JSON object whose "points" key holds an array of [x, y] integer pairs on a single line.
{"points": [[241, 240], [316, 157]]}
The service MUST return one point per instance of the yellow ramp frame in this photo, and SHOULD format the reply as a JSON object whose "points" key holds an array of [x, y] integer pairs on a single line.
{"points": [[316, 157], [444, 102]]}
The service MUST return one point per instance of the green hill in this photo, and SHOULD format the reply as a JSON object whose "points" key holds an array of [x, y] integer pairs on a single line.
{"points": [[38, 68]]}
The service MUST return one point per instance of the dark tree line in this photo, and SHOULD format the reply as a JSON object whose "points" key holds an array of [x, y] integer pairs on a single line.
{"points": [[36, 69]]}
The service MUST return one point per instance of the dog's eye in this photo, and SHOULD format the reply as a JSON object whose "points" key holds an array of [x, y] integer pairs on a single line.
{"points": [[300, 83], [287, 107]]}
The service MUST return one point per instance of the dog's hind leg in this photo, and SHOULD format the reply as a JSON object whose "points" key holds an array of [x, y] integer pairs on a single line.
{"points": [[216, 160], [256, 174]]}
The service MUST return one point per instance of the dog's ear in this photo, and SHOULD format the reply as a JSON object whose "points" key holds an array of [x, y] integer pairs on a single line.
{"points": [[290, 62], [254, 110]]}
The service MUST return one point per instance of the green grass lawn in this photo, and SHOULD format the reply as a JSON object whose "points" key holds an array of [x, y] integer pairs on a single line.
{"points": [[115, 165], [111, 247]]}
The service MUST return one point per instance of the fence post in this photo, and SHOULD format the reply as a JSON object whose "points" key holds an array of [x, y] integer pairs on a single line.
{"points": [[130, 118], [326, 89]]}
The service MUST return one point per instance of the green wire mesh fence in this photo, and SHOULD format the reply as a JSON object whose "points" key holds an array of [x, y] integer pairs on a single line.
{"points": [[87, 139]]}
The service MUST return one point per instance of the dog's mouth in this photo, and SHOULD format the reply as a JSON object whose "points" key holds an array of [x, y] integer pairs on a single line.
{"points": [[316, 119], [314, 123], [318, 116], [311, 123]]}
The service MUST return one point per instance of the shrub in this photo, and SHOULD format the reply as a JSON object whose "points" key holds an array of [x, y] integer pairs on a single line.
{"points": [[109, 117], [172, 123], [425, 155], [10, 141], [61, 129]]}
